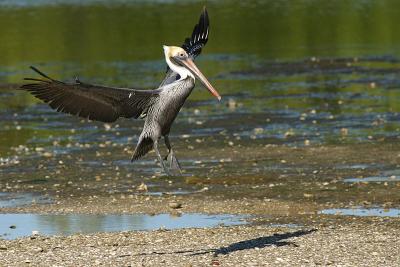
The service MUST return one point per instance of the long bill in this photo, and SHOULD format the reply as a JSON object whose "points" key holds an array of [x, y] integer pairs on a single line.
{"points": [[188, 63]]}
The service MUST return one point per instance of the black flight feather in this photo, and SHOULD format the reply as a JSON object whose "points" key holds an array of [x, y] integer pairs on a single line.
{"points": [[199, 38], [94, 102]]}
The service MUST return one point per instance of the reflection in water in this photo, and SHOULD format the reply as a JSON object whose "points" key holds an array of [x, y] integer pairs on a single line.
{"points": [[79, 223], [126, 32], [381, 212]]}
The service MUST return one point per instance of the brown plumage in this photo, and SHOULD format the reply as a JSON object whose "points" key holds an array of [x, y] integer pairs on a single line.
{"points": [[94, 102], [159, 106]]}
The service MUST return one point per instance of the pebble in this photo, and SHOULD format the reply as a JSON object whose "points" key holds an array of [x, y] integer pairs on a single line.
{"points": [[47, 154], [258, 130], [35, 232], [175, 205], [231, 103], [38, 249], [372, 85], [142, 187]]}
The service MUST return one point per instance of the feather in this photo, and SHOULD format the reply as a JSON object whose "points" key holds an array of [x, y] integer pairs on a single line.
{"points": [[85, 100], [199, 38]]}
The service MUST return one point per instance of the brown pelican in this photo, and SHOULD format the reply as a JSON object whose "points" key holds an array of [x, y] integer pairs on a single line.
{"points": [[159, 107]]}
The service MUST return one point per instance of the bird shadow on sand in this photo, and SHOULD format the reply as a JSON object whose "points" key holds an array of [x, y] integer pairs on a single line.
{"points": [[260, 242]]}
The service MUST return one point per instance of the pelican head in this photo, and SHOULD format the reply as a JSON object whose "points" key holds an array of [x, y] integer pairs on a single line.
{"points": [[179, 61]]}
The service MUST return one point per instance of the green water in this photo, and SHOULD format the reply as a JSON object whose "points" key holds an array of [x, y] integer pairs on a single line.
{"points": [[99, 39]]}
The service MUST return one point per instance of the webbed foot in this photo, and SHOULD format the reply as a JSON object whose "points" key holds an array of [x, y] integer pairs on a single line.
{"points": [[173, 164]]}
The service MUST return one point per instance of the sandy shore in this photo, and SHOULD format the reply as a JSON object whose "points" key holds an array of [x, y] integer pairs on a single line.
{"points": [[267, 241], [344, 245]]}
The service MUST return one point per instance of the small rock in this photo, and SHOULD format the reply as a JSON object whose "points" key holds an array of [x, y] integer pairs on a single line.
{"points": [[289, 133], [215, 262], [38, 249], [258, 130], [47, 154], [142, 187], [175, 205], [366, 203], [232, 104], [35, 232]]}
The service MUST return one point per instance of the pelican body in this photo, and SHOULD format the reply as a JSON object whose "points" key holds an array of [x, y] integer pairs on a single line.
{"points": [[159, 107]]}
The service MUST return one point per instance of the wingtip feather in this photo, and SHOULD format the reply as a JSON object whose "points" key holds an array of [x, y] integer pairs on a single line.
{"points": [[199, 37], [42, 74]]}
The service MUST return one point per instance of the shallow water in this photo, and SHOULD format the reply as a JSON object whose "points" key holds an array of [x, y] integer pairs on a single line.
{"points": [[297, 73], [385, 176], [19, 225], [10, 200], [380, 212], [329, 88], [373, 179]]}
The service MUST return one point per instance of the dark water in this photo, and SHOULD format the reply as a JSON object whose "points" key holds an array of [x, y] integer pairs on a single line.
{"points": [[296, 73], [26, 224]]}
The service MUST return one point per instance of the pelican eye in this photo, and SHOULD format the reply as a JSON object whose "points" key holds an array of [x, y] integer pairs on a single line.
{"points": [[181, 55]]}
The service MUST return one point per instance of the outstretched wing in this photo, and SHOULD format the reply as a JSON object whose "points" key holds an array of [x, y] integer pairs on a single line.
{"points": [[192, 45], [199, 38], [94, 102]]}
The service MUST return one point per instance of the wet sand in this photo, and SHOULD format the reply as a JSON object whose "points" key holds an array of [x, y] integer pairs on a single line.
{"points": [[279, 234]]}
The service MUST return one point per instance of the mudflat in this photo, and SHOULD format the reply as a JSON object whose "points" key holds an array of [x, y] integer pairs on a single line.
{"points": [[276, 236]]}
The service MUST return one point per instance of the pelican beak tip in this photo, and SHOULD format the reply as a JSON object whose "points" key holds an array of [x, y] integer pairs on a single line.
{"points": [[219, 98]]}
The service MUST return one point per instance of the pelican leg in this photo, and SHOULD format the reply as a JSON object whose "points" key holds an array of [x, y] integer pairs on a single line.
{"points": [[160, 158], [173, 162]]}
